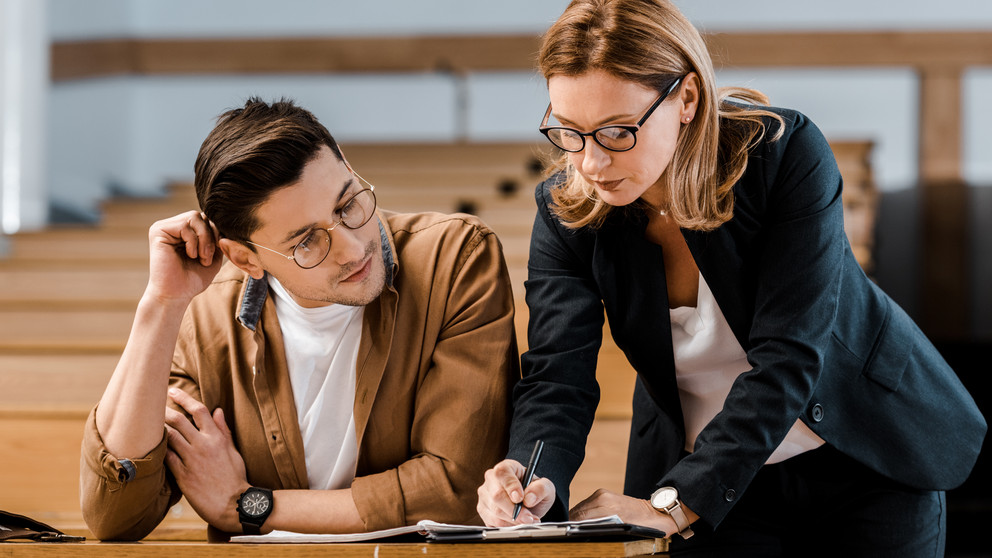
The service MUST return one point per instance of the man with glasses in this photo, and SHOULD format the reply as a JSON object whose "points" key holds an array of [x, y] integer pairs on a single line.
{"points": [[347, 370]]}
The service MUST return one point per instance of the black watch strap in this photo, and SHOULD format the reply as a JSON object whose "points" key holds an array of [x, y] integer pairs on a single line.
{"points": [[254, 507]]}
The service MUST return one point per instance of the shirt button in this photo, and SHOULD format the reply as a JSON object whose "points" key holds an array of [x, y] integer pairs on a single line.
{"points": [[127, 470], [817, 412], [730, 495]]}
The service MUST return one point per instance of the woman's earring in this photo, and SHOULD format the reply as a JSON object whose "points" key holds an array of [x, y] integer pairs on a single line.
{"points": [[687, 119]]}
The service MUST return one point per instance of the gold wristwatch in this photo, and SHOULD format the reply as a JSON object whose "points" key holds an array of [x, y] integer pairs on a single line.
{"points": [[666, 500]]}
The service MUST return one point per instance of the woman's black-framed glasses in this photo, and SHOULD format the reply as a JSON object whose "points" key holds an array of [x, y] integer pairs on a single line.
{"points": [[613, 137], [353, 214]]}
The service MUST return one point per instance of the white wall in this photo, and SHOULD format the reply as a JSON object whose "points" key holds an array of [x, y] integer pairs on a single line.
{"points": [[76, 19], [90, 140], [90, 19], [23, 93], [173, 115], [796, 15], [978, 125], [878, 104], [142, 132]]}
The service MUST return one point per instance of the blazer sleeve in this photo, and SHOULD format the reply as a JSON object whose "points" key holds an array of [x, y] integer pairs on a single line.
{"points": [[799, 254], [556, 399]]}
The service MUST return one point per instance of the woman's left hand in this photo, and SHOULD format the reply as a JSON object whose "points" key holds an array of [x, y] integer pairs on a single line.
{"points": [[635, 511]]}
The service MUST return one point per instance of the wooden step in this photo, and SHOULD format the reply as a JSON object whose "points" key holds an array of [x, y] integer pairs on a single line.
{"points": [[66, 265], [614, 374], [38, 288], [606, 458], [120, 289], [129, 250], [446, 157], [45, 381], [402, 193], [53, 386], [64, 330], [41, 469], [79, 245], [42, 482]]}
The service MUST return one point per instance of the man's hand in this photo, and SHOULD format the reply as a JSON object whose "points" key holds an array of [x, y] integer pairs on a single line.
{"points": [[502, 490], [184, 257], [202, 457], [635, 511]]}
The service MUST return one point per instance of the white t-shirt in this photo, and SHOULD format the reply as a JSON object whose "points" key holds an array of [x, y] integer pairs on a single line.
{"points": [[322, 351], [708, 358]]}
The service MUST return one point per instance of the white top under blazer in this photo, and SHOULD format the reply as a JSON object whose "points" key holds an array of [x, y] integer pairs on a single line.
{"points": [[708, 358]]}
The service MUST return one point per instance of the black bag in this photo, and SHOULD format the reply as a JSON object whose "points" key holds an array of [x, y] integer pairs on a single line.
{"points": [[13, 526]]}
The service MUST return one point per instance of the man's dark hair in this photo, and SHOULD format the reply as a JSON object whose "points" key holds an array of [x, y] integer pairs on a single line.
{"points": [[252, 152]]}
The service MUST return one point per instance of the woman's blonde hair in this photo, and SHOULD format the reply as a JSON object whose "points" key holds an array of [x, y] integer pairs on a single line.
{"points": [[650, 42]]}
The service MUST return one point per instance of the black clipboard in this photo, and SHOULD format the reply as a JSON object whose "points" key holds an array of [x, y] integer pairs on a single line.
{"points": [[571, 532], [604, 529]]}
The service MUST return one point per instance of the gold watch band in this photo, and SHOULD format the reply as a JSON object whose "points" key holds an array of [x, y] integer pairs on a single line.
{"points": [[677, 514]]}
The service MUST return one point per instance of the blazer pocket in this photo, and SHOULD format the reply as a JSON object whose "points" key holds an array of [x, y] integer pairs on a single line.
{"points": [[890, 355]]}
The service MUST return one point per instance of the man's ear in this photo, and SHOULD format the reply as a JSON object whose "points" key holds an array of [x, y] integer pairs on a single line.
{"points": [[243, 257]]}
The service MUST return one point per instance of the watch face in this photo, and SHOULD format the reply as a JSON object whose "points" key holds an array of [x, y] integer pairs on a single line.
{"points": [[664, 497], [255, 504]]}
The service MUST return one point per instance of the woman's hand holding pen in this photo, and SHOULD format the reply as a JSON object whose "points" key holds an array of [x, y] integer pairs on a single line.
{"points": [[503, 489]]}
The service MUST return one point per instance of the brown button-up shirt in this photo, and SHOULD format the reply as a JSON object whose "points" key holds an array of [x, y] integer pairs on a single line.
{"points": [[436, 363]]}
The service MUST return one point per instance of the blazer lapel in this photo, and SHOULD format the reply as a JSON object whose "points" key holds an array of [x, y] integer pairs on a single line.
{"points": [[637, 307], [721, 265]]}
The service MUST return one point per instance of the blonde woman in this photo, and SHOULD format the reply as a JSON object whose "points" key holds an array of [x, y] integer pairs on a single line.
{"points": [[784, 404]]}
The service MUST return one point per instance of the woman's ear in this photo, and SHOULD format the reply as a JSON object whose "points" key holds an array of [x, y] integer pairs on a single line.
{"points": [[689, 95], [243, 257]]}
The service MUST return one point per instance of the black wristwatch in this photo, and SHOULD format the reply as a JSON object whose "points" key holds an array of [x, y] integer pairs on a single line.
{"points": [[254, 507]]}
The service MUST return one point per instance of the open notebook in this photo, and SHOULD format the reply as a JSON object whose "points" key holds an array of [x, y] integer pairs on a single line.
{"points": [[604, 528]]}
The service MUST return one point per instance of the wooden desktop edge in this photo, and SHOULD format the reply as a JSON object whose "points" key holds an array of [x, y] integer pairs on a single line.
{"points": [[190, 549]]}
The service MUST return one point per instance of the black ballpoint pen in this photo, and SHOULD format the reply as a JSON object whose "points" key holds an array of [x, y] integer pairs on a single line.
{"points": [[535, 456]]}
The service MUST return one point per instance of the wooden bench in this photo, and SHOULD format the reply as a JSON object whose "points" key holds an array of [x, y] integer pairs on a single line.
{"points": [[41, 478], [84, 285], [860, 198]]}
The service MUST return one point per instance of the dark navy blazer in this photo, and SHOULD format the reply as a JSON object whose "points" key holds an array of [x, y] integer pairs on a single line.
{"points": [[826, 345]]}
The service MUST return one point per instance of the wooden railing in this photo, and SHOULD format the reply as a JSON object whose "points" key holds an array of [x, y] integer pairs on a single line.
{"points": [[938, 57]]}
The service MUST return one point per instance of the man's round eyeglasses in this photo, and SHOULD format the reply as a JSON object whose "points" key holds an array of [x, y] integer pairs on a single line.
{"points": [[613, 138], [353, 214]]}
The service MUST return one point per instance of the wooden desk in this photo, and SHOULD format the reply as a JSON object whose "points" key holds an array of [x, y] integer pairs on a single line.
{"points": [[93, 549]]}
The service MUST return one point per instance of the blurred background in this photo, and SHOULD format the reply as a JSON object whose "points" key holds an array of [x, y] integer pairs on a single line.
{"points": [[104, 103]]}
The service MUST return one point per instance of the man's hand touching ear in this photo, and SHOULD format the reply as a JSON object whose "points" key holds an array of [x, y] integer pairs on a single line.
{"points": [[184, 257]]}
